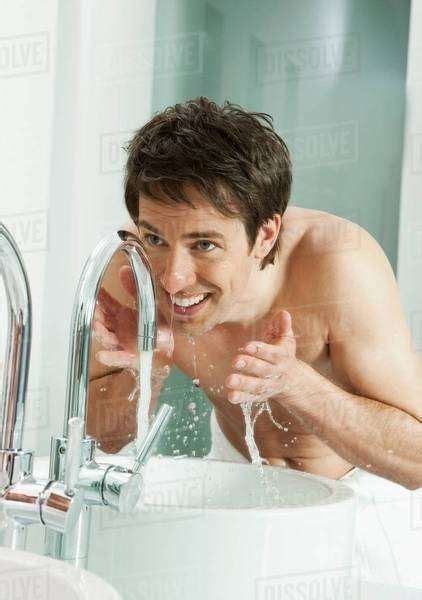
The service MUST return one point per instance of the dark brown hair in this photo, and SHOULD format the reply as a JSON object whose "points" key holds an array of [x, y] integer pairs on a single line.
{"points": [[233, 157]]}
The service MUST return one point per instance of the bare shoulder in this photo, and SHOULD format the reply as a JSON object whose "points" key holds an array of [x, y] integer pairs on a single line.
{"points": [[336, 261], [333, 243], [351, 276]]}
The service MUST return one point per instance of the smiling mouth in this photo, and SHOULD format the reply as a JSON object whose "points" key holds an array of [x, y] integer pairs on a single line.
{"points": [[188, 310]]}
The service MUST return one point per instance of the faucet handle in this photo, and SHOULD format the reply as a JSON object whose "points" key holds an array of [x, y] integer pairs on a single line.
{"points": [[73, 454], [121, 488], [156, 429]]}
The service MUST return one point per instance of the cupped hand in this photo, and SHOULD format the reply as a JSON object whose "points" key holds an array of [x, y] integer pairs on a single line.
{"points": [[116, 329]]}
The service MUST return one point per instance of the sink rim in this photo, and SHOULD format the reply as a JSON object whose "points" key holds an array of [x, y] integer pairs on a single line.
{"points": [[80, 581], [340, 491]]}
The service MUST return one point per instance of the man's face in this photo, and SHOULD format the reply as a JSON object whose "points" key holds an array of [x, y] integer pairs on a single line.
{"points": [[217, 262]]}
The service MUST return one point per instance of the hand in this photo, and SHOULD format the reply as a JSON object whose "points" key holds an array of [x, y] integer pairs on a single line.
{"points": [[116, 328], [268, 369]]}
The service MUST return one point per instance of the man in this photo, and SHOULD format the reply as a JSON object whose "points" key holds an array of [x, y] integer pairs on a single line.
{"points": [[282, 303]]}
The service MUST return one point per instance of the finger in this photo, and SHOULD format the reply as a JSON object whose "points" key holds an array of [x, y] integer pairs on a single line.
{"points": [[106, 338], [99, 313], [127, 280], [107, 303], [236, 397], [120, 359], [268, 352], [279, 328], [251, 385], [250, 365]]}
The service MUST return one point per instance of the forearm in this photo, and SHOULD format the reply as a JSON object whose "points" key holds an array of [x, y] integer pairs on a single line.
{"points": [[367, 433], [112, 407]]}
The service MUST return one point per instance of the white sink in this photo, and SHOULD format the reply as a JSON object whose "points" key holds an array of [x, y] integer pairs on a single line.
{"points": [[28, 576], [219, 530], [204, 531], [211, 530]]}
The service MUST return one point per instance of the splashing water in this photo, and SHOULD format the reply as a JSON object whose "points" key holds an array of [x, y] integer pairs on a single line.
{"points": [[249, 433], [195, 379], [273, 421], [250, 421], [145, 366]]}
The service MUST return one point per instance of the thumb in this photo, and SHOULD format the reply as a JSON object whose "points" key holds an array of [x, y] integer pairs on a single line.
{"points": [[279, 328]]}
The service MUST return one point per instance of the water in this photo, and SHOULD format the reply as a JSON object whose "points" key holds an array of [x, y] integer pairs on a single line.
{"points": [[195, 379], [145, 366], [250, 427], [250, 421], [143, 385]]}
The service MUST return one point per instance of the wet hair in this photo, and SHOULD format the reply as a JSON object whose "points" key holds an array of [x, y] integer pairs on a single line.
{"points": [[233, 157]]}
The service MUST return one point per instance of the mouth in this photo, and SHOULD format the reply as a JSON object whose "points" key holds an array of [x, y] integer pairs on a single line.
{"points": [[188, 310]]}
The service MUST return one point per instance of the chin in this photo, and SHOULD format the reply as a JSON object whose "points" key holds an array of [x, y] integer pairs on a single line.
{"points": [[195, 329]]}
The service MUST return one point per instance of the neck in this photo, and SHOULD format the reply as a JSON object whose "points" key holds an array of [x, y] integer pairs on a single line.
{"points": [[259, 302]]}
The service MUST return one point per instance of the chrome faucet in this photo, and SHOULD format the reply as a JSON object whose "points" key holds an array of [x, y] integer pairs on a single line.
{"points": [[15, 462], [18, 295], [76, 481]]}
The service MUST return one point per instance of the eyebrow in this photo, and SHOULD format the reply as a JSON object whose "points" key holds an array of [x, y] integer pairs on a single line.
{"points": [[191, 235]]}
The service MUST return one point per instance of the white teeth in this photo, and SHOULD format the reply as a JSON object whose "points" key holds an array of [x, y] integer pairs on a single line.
{"points": [[187, 301]]}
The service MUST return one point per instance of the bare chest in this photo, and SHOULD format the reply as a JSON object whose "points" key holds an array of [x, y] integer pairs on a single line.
{"points": [[208, 362]]}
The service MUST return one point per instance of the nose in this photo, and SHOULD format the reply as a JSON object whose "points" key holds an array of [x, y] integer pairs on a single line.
{"points": [[178, 273]]}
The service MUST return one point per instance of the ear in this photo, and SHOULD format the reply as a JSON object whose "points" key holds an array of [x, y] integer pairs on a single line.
{"points": [[267, 236]]}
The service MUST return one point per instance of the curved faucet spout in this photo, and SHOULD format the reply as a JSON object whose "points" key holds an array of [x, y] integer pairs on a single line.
{"points": [[83, 314], [18, 349]]}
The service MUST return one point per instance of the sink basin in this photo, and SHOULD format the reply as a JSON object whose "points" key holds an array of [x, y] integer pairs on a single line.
{"points": [[220, 530], [214, 530], [31, 577]]}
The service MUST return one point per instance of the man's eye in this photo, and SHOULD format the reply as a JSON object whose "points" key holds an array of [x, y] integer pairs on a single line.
{"points": [[206, 242], [149, 237], [155, 241]]}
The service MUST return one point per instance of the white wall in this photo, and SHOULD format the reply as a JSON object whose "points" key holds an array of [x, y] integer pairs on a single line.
{"points": [[410, 237], [27, 66], [75, 81]]}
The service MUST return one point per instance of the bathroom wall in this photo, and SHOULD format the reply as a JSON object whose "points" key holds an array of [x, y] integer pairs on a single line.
{"points": [[27, 65], [410, 238]]}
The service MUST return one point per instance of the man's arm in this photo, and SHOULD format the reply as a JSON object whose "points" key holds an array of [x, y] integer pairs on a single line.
{"points": [[378, 426]]}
